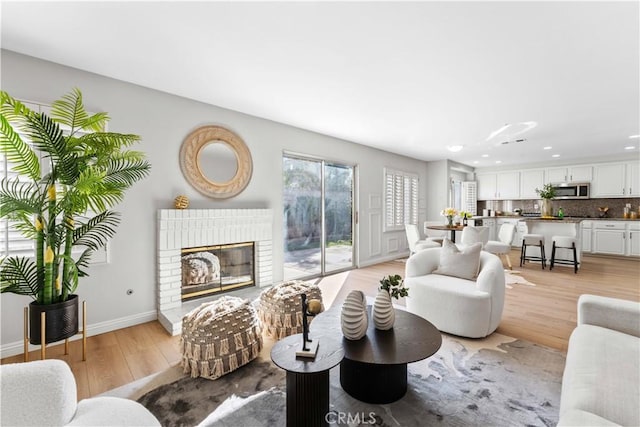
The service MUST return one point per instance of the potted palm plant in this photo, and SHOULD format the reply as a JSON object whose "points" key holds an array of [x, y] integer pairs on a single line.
{"points": [[70, 172]]}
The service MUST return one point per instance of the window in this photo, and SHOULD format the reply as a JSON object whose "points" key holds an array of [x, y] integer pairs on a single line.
{"points": [[401, 199], [12, 242]]}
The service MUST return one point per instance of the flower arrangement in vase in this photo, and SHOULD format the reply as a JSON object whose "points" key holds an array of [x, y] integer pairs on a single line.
{"points": [[449, 213]]}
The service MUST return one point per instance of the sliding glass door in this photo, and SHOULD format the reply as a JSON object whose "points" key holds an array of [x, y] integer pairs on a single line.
{"points": [[318, 217]]}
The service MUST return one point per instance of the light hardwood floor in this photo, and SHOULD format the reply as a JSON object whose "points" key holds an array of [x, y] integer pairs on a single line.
{"points": [[544, 314]]}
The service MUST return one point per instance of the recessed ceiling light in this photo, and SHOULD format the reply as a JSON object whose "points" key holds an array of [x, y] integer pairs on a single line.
{"points": [[634, 136], [555, 155], [630, 147], [498, 161], [454, 148], [547, 148], [485, 155], [475, 162]]}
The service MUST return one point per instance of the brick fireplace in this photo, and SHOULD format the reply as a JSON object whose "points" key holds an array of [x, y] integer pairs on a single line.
{"points": [[189, 228]]}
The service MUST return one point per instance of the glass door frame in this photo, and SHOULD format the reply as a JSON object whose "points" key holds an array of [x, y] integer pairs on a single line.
{"points": [[354, 212]]}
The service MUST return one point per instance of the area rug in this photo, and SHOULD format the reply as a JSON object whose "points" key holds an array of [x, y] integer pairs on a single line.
{"points": [[491, 382], [512, 277]]}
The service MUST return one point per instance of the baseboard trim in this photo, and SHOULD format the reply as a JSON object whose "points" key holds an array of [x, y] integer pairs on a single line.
{"points": [[373, 261], [11, 349]]}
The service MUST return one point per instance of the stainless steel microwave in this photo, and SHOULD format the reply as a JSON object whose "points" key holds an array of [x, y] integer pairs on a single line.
{"points": [[572, 190]]}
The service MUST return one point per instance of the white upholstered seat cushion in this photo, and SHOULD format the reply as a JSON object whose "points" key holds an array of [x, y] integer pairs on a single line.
{"points": [[564, 241], [496, 247]]}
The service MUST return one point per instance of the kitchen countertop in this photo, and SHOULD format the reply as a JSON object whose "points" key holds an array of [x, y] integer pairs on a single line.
{"points": [[566, 218], [554, 219]]}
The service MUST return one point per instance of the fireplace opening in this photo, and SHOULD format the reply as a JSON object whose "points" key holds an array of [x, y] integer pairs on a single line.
{"points": [[210, 269]]}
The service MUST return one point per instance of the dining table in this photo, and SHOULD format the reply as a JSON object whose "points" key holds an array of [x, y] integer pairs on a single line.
{"points": [[453, 229]]}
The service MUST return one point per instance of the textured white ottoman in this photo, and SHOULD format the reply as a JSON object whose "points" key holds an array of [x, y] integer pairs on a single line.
{"points": [[280, 307], [220, 336]]}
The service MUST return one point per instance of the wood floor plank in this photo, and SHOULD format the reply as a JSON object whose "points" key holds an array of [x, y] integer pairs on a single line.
{"points": [[146, 362], [107, 368]]}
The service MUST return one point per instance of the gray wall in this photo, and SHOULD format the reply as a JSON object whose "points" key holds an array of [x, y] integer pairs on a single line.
{"points": [[163, 121]]}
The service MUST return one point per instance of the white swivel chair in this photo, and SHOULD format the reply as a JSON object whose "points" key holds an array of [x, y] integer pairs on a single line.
{"points": [[468, 308], [413, 238], [471, 235], [502, 246]]}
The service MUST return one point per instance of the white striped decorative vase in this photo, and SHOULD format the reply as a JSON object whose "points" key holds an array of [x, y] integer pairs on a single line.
{"points": [[354, 319], [383, 313]]}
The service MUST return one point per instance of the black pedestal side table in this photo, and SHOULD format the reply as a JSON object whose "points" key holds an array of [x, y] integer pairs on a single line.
{"points": [[307, 379], [374, 368]]}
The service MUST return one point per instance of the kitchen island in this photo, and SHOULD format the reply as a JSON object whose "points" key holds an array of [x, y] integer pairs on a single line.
{"points": [[550, 227]]}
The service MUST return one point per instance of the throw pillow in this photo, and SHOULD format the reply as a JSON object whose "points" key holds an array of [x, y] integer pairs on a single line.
{"points": [[463, 263]]}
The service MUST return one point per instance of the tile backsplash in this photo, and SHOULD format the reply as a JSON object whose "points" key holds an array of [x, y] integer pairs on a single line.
{"points": [[583, 208]]}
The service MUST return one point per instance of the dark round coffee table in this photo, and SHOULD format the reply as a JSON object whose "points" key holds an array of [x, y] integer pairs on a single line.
{"points": [[374, 368]]}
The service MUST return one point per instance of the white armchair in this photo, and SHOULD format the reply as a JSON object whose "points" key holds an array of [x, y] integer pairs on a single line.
{"points": [[414, 241], [43, 393], [468, 308]]}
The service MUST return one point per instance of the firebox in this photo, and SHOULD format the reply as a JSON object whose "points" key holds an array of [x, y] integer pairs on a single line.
{"points": [[210, 269]]}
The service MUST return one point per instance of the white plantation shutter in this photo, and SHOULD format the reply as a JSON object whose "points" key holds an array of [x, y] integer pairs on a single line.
{"points": [[401, 199], [12, 242], [470, 197]]}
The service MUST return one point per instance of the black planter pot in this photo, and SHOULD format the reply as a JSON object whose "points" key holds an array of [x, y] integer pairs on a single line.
{"points": [[61, 320]]}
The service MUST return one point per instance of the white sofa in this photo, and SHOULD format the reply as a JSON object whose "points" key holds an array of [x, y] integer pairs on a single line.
{"points": [[457, 306], [43, 393], [601, 381]]}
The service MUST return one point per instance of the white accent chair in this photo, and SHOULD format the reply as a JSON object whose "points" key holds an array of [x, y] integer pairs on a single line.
{"points": [[601, 380], [457, 306], [414, 241], [435, 235], [502, 246], [43, 393], [471, 235]]}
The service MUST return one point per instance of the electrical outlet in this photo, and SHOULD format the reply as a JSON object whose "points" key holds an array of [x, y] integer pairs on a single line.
{"points": [[535, 206]]}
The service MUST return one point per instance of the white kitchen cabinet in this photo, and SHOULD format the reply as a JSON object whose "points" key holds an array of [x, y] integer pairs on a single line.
{"points": [[633, 179], [610, 180], [579, 173], [531, 179], [487, 186], [498, 186], [609, 237], [556, 175], [587, 231], [582, 173], [633, 240], [521, 230], [508, 185]]}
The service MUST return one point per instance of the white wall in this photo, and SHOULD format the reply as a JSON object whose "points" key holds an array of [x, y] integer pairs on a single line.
{"points": [[163, 121]]}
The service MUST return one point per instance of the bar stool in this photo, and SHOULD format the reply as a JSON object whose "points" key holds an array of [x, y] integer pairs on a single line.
{"points": [[564, 242], [532, 240]]}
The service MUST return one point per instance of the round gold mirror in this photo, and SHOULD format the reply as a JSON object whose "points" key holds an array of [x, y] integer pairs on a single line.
{"points": [[216, 162]]}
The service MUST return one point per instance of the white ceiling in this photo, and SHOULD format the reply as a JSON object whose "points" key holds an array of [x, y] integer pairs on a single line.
{"points": [[411, 78]]}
